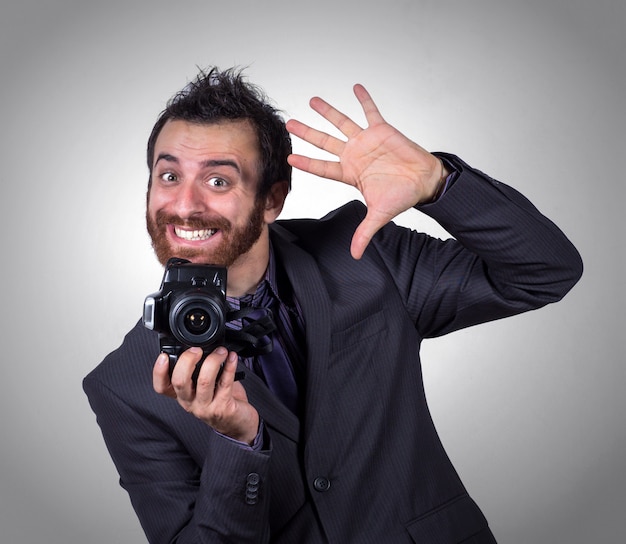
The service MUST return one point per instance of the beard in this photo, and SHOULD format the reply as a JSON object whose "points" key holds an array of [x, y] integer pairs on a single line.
{"points": [[236, 241]]}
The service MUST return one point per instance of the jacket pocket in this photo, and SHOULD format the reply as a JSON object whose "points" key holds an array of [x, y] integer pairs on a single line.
{"points": [[356, 333], [451, 523]]}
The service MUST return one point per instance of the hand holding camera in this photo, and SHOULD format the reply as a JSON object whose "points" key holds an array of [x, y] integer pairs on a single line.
{"points": [[215, 397], [198, 361], [190, 310]]}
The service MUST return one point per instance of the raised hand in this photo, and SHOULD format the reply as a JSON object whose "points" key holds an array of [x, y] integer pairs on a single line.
{"points": [[392, 172]]}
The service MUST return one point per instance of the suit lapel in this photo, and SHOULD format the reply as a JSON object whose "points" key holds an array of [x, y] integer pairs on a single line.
{"points": [[307, 284], [270, 408]]}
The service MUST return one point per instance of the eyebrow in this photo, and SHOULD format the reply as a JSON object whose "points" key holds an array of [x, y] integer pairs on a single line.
{"points": [[209, 163]]}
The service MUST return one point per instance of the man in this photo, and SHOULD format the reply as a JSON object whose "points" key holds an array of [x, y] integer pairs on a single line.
{"points": [[328, 438]]}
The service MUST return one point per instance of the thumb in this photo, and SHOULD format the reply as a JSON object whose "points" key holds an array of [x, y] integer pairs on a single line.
{"points": [[364, 233]]}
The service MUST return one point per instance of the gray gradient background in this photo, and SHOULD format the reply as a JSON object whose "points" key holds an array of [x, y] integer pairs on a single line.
{"points": [[531, 409]]}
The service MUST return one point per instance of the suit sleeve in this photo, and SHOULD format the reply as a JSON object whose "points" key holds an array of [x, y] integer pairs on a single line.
{"points": [[176, 499], [505, 257]]}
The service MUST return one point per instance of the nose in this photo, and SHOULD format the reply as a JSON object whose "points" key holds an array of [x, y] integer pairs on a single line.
{"points": [[188, 201]]}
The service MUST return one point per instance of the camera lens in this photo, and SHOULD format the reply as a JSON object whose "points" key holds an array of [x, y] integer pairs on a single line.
{"points": [[197, 321]]}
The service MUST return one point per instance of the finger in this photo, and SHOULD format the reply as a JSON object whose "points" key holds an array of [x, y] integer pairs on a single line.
{"points": [[372, 113], [319, 139], [226, 380], [364, 233], [161, 376], [181, 379], [341, 121], [209, 371], [324, 169]]}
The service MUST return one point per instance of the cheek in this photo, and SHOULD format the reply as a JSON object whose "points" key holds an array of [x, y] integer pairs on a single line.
{"points": [[236, 210], [155, 202]]}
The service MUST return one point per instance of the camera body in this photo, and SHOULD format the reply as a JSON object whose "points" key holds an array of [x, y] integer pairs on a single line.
{"points": [[190, 309]]}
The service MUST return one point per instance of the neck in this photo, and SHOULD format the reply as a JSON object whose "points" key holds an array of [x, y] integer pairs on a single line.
{"points": [[245, 274]]}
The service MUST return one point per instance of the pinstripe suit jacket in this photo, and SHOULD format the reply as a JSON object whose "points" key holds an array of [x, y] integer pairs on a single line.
{"points": [[364, 464]]}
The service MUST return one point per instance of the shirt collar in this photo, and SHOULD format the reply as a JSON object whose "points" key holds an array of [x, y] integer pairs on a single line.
{"points": [[269, 281]]}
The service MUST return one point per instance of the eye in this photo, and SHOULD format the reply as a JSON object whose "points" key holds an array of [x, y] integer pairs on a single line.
{"points": [[168, 177], [218, 183]]}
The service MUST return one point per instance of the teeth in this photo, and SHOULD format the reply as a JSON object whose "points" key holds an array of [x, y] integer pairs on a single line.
{"points": [[194, 235]]}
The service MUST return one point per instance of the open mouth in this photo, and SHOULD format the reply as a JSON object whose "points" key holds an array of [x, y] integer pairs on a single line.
{"points": [[194, 235]]}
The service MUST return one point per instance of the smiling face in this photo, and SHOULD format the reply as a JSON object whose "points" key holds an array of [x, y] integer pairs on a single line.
{"points": [[202, 201]]}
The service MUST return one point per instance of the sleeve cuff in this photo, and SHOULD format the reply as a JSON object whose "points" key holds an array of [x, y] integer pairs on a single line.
{"points": [[452, 177], [257, 444]]}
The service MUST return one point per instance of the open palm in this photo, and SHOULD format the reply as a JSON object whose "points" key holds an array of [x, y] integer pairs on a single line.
{"points": [[392, 172]]}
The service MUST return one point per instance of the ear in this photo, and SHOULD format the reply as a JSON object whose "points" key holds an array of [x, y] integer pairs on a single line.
{"points": [[275, 200]]}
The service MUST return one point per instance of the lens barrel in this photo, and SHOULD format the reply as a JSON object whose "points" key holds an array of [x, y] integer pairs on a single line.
{"points": [[197, 319]]}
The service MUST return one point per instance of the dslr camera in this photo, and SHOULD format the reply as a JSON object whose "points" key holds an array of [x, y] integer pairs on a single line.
{"points": [[190, 309]]}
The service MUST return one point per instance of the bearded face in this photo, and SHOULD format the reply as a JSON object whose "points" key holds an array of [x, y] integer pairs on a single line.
{"points": [[234, 240], [203, 202]]}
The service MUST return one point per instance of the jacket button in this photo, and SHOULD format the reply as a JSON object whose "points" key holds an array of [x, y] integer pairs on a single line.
{"points": [[321, 484], [253, 482]]}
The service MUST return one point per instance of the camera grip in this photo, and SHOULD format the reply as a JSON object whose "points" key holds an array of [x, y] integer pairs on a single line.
{"points": [[173, 359]]}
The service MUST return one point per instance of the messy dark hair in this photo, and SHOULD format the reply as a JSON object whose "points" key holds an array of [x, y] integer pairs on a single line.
{"points": [[217, 96]]}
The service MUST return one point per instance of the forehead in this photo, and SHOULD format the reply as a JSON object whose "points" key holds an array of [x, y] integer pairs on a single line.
{"points": [[188, 140]]}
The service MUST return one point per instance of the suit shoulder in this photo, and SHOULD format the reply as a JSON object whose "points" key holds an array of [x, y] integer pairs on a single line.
{"points": [[129, 366], [341, 220]]}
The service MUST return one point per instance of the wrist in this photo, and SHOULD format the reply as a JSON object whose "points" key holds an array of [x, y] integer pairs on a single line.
{"points": [[440, 185], [443, 178], [246, 439]]}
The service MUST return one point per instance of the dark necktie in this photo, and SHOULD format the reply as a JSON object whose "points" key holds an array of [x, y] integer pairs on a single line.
{"points": [[280, 367]]}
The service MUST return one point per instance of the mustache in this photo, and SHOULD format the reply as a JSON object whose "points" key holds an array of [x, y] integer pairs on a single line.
{"points": [[196, 223]]}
